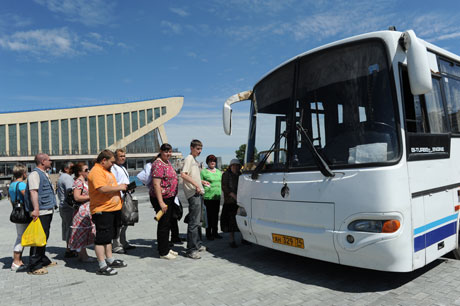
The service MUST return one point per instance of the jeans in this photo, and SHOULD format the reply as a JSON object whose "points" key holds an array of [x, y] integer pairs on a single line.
{"points": [[194, 223], [38, 258]]}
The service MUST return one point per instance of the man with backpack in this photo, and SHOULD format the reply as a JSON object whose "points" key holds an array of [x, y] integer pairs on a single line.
{"points": [[40, 201]]}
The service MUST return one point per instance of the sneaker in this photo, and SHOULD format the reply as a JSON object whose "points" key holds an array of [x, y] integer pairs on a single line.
{"points": [[168, 256], [203, 248], [173, 252], [193, 255], [118, 250]]}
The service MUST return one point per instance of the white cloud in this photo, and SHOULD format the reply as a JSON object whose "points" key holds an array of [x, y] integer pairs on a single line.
{"points": [[170, 27], [55, 42], [44, 44], [180, 11], [87, 12]]}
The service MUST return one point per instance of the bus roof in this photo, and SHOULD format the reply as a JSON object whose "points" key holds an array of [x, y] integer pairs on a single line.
{"points": [[387, 35]]}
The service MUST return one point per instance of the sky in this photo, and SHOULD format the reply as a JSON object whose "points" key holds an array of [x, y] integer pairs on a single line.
{"points": [[67, 53]]}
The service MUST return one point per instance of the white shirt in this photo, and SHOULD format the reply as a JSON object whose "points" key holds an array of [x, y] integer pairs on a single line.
{"points": [[145, 175], [121, 175]]}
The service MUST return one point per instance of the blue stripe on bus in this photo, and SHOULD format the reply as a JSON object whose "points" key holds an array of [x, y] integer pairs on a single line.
{"points": [[426, 227], [430, 238]]}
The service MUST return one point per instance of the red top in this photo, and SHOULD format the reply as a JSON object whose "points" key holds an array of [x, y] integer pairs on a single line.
{"points": [[168, 176]]}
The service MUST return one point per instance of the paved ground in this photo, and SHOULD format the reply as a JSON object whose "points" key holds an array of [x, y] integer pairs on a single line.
{"points": [[248, 275]]}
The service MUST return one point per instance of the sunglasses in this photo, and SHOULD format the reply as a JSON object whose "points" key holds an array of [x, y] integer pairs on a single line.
{"points": [[86, 170]]}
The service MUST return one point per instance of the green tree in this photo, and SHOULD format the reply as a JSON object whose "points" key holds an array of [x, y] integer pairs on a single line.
{"points": [[240, 153]]}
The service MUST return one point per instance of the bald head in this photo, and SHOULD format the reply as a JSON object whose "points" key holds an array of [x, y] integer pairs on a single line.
{"points": [[43, 161]]}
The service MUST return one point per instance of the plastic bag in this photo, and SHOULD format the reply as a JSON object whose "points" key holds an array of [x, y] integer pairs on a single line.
{"points": [[34, 235], [129, 210]]}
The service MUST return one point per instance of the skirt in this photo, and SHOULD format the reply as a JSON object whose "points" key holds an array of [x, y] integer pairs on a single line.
{"points": [[228, 218], [83, 229]]}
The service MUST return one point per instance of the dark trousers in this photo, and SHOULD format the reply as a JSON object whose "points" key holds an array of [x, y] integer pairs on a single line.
{"points": [[212, 210], [164, 225], [174, 229], [37, 257]]}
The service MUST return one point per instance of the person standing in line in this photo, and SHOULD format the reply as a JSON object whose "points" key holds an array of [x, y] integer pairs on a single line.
{"points": [[83, 230], [19, 186], [120, 244], [211, 178], [145, 176], [194, 191], [105, 206], [163, 190], [40, 202], [230, 187], [64, 184]]}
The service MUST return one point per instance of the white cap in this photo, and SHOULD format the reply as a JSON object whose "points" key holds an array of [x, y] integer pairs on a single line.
{"points": [[235, 161]]}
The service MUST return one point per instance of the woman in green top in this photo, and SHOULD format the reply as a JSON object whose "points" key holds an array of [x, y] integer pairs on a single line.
{"points": [[211, 179]]}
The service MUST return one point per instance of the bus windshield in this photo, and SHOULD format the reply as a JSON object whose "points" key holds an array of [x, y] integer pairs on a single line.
{"points": [[341, 97]]}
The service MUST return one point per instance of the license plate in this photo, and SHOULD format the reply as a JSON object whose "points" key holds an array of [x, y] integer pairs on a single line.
{"points": [[288, 240]]}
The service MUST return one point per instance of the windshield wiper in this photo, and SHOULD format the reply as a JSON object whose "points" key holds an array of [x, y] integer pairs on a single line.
{"points": [[323, 167], [261, 164]]}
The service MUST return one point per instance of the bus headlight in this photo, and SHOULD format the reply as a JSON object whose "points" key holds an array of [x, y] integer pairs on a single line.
{"points": [[241, 212], [375, 226]]}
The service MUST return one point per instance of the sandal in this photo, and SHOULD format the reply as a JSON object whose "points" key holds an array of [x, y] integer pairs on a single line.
{"points": [[107, 271], [52, 264], [117, 263], [41, 271]]}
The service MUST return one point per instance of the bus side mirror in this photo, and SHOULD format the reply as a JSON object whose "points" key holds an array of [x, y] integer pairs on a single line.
{"points": [[417, 64], [227, 110]]}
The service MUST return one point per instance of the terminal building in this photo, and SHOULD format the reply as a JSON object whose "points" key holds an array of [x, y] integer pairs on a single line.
{"points": [[80, 133]]}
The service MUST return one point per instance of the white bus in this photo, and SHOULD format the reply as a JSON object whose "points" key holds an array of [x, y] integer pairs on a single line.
{"points": [[363, 136]]}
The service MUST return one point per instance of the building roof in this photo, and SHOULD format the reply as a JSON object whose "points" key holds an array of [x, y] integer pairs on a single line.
{"points": [[88, 105]]}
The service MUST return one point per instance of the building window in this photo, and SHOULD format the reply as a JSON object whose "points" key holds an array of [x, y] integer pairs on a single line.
{"points": [[141, 118], [149, 115], [110, 139], [2, 140], [74, 134], [157, 113], [34, 138], [163, 110], [23, 139], [45, 136], [119, 126], [101, 130], [127, 124], [13, 138], [134, 120], [84, 135], [54, 137], [92, 135]]}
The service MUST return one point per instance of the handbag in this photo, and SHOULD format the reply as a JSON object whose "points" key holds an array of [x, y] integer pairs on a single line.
{"points": [[70, 200], [178, 210], [19, 214], [129, 210], [34, 235]]}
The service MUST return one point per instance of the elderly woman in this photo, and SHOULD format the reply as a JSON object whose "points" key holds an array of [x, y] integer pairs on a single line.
{"points": [[230, 188], [17, 190], [83, 230], [163, 190], [211, 178]]}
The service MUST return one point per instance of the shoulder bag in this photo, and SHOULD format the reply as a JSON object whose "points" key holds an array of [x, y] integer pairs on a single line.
{"points": [[19, 214]]}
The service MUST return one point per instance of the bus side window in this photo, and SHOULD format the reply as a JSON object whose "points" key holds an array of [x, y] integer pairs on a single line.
{"points": [[424, 114]]}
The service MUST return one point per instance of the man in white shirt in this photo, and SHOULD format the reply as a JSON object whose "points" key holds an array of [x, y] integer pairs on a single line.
{"points": [[194, 191], [120, 245]]}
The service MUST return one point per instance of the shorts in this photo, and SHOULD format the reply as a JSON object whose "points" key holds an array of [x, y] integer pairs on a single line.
{"points": [[107, 226]]}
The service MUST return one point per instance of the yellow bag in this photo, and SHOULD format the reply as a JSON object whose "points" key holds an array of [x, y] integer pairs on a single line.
{"points": [[34, 235]]}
